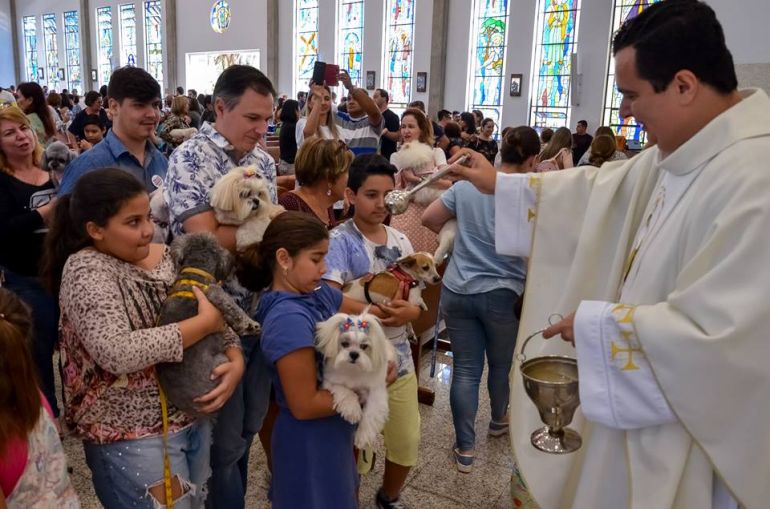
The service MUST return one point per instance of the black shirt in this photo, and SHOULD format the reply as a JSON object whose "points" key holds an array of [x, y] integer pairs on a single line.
{"points": [[287, 140], [393, 125], [76, 127], [22, 230], [580, 143]]}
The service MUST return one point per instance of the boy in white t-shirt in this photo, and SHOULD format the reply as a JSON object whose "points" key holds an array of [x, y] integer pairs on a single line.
{"points": [[365, 245]]}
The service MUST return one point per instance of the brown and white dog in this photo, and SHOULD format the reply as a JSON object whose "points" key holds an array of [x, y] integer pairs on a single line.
{"points": [[400, 281]]}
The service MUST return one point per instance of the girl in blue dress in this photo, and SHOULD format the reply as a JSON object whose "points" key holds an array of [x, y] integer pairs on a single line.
{"points": [[312, 446]]}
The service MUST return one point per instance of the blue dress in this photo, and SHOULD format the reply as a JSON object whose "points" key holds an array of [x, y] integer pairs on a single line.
{"points": [[313, 462]]}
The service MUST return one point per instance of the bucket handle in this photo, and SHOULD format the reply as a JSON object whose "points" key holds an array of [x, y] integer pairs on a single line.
{"points": [[552, 320]]}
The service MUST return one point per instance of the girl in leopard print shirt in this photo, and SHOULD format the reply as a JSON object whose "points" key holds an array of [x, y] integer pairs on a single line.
{"points": [[111, 289]]}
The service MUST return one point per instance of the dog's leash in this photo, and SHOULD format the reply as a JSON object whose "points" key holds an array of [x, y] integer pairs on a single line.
{"points": [[163, 402]]}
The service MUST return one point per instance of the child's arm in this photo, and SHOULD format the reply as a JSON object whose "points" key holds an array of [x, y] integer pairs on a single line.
{"points": [[410, 176], [229, 375], [297, 372]]}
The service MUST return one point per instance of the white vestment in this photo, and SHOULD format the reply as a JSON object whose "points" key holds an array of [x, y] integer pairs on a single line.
{"points": [[666, 262]]}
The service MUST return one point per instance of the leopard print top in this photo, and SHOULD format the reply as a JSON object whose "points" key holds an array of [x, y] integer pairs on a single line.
{"points": [[110, 344]]}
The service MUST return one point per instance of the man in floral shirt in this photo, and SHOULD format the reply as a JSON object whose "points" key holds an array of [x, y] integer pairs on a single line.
{"points": [[243, 101]]}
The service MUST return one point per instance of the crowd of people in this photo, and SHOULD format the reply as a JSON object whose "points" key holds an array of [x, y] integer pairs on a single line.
{"points": [[82, 275]]}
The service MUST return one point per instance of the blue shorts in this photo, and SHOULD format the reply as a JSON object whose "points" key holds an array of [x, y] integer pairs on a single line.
{"points": [[123, 472]]}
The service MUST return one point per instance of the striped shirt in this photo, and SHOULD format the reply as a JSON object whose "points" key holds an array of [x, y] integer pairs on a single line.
{"points": [[359, 135]]}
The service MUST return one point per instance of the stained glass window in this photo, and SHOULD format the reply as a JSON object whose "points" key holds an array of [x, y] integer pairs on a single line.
{"points": [[72, 49], [489, 24], [305, 42], [220, 16], [153, 42], [30, 47], [556, 29], [104, 43], [399, 41], [127, 35], [51, 51], [624, 11], [350, 37]]}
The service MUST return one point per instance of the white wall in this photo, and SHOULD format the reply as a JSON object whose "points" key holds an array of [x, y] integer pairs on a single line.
{"points": [[7, 62], [248, 30]]}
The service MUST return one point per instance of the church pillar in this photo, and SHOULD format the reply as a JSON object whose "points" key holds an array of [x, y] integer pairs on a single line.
{"points": [[169, 53], [438, 56], [85, 46], [271, 60], [18, 55]]}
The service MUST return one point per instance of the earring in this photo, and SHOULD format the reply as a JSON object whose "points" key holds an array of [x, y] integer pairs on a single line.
{"points": [[286, 271], [329, 191]]}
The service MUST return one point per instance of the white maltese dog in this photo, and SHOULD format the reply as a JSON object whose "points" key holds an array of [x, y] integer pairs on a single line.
{"points": [[241, 198], [356, 353]]}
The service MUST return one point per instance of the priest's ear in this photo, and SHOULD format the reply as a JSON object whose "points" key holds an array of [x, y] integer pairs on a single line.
{"points": [[686, 86]]}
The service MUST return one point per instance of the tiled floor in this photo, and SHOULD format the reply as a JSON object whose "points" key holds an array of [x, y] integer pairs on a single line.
{"points": [[433, 483]]}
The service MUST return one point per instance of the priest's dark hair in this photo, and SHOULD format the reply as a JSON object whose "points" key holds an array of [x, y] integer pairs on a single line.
{"points": [[675, 35]]}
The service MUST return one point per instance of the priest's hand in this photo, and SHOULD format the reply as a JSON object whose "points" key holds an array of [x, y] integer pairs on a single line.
{"points": [[477, 169], [563, 327]]}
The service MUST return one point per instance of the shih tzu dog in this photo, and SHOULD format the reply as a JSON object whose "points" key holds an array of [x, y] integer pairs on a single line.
{"points": [[200, 261], [241, 198], [403, 280], [56, 158], [355, 354]]}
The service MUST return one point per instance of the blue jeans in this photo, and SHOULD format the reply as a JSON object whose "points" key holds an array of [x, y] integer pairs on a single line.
{"points": [[236, 424], [124, 471], [45, 319], [477, 324]]}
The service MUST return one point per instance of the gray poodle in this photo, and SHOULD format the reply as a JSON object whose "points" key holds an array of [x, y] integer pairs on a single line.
{"points": [[200, 261]]}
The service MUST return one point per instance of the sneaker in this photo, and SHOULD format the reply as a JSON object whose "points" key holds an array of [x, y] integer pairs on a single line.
{"points": [[383, 502], [497, 429], [464, 461]]}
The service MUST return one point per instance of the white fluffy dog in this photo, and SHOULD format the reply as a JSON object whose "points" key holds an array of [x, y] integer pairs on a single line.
{"points": [[418, 158], [356, 354], [241, 198]]}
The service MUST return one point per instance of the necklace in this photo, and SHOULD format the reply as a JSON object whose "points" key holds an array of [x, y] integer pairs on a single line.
{"points": [[33, 177], [321, 212]]}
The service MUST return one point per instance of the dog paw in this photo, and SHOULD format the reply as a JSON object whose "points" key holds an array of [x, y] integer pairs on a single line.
{"points": [[349, 409], [365, 437], [251, 328]]}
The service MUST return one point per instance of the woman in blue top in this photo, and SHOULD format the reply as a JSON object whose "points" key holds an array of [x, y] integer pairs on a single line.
{"points": [[480, 290], [312, 446]]}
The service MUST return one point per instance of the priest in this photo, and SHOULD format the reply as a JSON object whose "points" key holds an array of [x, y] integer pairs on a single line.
{"points": [[659, 266]]}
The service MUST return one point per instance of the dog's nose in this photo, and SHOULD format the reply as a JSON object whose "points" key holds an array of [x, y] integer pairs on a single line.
{"points": [[354, 356]]}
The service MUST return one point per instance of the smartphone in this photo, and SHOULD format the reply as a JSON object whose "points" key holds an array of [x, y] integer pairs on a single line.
{"points": [[325, 74]]}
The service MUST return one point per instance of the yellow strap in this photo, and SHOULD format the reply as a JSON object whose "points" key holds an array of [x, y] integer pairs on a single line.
{"points": [[191, 282], [203, 273], [182, 293], [166, 460]]}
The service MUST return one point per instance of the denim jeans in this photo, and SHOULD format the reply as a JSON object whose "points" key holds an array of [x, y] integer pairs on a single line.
{"points": [[124, 471], [477, 324], [45, 317], [236, 424]]}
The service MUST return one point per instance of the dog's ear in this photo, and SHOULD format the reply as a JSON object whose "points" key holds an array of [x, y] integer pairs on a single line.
{"points": [[328, 335], [225, 192], [379, 344], [178, 248], [408, 261], [225, 264]]}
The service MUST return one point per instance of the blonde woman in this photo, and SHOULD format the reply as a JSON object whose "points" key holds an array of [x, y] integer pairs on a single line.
{"points": [[321, 168], [27, 197], [317, 116], [179, 118]]}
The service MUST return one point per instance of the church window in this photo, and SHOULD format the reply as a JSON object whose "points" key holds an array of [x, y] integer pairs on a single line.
{"points": [[127, 35], [51, 51], [72, 49], [305, 42], [29, 25], [350, 37], [399, 49], [153, 40], [104, 46]]}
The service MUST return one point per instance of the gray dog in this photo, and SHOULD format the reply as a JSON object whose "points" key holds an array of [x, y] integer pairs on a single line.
{"points": [[56, 158], [200, 261]]}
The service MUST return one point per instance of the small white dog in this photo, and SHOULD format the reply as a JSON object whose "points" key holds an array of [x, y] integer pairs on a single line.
{"points": [[401, 281], [241, 198], [356, 353], [418, 158]]}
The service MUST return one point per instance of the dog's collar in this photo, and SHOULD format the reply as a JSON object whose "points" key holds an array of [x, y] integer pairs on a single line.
{"points": [[200, 272]]}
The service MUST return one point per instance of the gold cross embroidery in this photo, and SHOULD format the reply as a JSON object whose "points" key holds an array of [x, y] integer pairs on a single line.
{"points": [[533, 180], [615, 350], [628, 317], [530, 215]]}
